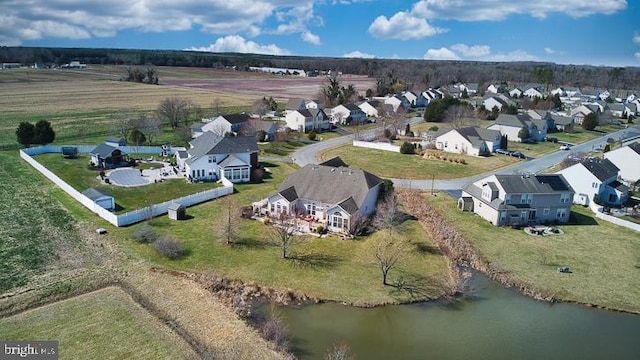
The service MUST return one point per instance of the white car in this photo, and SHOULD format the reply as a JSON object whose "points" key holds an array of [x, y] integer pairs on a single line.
{"points": [[565, 147]]}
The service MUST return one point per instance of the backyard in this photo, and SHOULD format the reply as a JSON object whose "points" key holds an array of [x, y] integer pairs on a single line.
{"points": [[396, 165], [603, 258]]}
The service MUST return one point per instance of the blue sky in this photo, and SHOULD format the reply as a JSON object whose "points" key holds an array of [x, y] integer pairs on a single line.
{"points": [[602, 32]]}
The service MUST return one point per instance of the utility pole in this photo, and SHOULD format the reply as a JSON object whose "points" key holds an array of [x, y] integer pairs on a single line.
{"points": [[433, 178]]}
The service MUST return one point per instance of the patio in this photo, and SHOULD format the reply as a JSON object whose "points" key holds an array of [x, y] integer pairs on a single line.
{"points": [[131, 177]]}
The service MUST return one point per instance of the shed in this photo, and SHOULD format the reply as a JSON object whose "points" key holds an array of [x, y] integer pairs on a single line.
{"points": [[101, 199], [70, 152], [465, 203], [177, 211]]}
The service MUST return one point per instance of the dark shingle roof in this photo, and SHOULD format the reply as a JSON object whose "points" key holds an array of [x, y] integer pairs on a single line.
{"points": [[335, 162], [236, 118], [538, 184], [478, 132], [349, 205], [103, 150], [330, 185], [602, 169], [513, 120], [635, 147], [210, 143]]}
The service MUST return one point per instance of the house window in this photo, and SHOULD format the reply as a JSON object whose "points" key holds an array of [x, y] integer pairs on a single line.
{"points": [[311, 209], [561, 213], [546, 211], [337, 221], [212, 159], [245, 173], [446, 144], [523, 199], [273, 207], [523, 215], [507, 199], [278, 208], [564, 198]]}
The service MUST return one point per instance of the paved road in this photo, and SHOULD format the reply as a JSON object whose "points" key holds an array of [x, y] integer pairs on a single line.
{"points": [[308, 155]]}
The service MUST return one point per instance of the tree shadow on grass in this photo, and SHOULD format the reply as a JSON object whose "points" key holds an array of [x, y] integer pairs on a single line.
{"points": [[580, 219], [250, 244], [315, 259], [428, 249], [414, 285], [268, 164]]}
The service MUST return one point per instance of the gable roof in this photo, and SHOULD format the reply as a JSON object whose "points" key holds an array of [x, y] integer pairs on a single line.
{"points": [[327, 184], [295, 104], [518, 121], [602, 169], [533, 184], [635, 147], [103, 150], [335, 162], [210, 143], [236, 118], [478, 132], [94, 194]]}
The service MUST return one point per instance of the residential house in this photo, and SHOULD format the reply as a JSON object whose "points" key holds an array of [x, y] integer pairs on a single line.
{"points": [[333, 196], [426, 97], [581, 111], [308, 120], [223, 124], [511, 125], [595, 178], [497, 88], [534, 91], [627, 160], [559, 91], [516, 93], [451, 91], [255, 127], [497, 101], [617, 110], [301, 104], [572, 91], [470, 140], [116, 141], [398, 102], [630, 109], [471, 89], [563, 123], [107, 156], [411, 97], [519, 199], [370, 108], [212, 156], [348, 114]]}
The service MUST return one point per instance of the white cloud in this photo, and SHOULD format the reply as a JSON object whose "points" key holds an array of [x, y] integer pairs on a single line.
{"points": [[358, 54], [495, 10], [22, 20], [403, 26], [440, 54], [311, 38], [636, 39], [472, 51], [549, 51], [476, 52], [236, 43], [637, 55]]}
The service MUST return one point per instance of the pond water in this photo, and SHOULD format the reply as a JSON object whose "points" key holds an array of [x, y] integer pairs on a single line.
{"points": [[496, 323]]}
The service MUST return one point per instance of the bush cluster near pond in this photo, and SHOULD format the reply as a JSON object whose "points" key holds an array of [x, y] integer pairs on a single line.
{"points": [[76, 173]]}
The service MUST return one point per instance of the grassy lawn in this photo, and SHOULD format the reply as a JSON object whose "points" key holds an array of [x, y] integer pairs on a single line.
{"points": [[327, 268], [414, 166], [76, 174], [604, 258], [33, 227], [282, 148], [533, 150], [107, 324]]}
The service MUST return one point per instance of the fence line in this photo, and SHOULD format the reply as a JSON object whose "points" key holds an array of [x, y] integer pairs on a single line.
{"points": [[88, 148], [127, 218], [618, 221], [376, 145]]}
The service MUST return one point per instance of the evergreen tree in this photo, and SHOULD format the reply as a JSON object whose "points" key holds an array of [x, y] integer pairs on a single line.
{"points": [[25, 133], [43, 133]]}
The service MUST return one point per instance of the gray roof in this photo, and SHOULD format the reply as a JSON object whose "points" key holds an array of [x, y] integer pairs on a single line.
{"points": [[175, 206], [330, 185], [619, 186], [478, 132], [513, 120], [352, 107], [561, 120], [295, 104], [616, 107], [94, 194], [602, 169], [103, 150], [635, 147], [533, 184], [315, 112], [335, 162], [236, 118], [210, 143]]}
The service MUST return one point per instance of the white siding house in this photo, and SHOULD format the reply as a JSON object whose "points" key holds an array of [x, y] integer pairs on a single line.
{"points": [[627, 159]]}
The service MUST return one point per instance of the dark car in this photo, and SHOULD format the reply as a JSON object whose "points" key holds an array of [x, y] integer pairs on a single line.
{"points": [[503, 151], [551, 139], [518, 154]]}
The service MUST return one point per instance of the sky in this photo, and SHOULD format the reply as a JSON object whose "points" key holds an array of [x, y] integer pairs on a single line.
{"points": [[596, 32]]}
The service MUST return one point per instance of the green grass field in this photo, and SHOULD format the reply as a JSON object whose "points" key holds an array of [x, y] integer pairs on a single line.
{"points": [[76, 174], [604, 258], [105, 324], [395, 165]]}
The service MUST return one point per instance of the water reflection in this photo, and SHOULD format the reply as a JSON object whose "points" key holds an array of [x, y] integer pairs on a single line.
{"points": [[495, 323]]}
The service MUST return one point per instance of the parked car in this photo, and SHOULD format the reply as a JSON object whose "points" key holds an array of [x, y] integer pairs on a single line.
{"points": [[551, 139], [503, 151], [518, 154], [565, 147]]}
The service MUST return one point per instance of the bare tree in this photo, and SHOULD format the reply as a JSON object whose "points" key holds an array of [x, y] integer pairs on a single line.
{"points": [[261, 107], [150, 126], [174, 110], [387, 251], [387, 214], [459, 115], [230, 221], [282, 231], [216, 107], [123, 122], [339, 352], [358, 225]]}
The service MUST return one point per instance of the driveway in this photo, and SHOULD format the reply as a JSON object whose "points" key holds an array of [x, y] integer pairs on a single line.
{"points": [[309, 154]]}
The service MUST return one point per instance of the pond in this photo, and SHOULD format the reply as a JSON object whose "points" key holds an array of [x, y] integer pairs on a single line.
{"points": [[495, 323]]}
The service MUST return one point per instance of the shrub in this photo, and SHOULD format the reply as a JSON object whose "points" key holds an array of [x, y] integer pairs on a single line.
{"points": [[169, 247], [145, 234], [320, 229], [312, 135], [407, 148], [433, 128]]}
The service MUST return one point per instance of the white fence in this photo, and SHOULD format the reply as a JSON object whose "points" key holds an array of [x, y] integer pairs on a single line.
{"points": [[128, 218], [88, 148], [377, 145], [618, 221]]}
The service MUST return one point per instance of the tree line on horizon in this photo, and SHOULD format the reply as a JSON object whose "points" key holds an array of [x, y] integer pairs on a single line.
{"points": [[393, 75]]}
